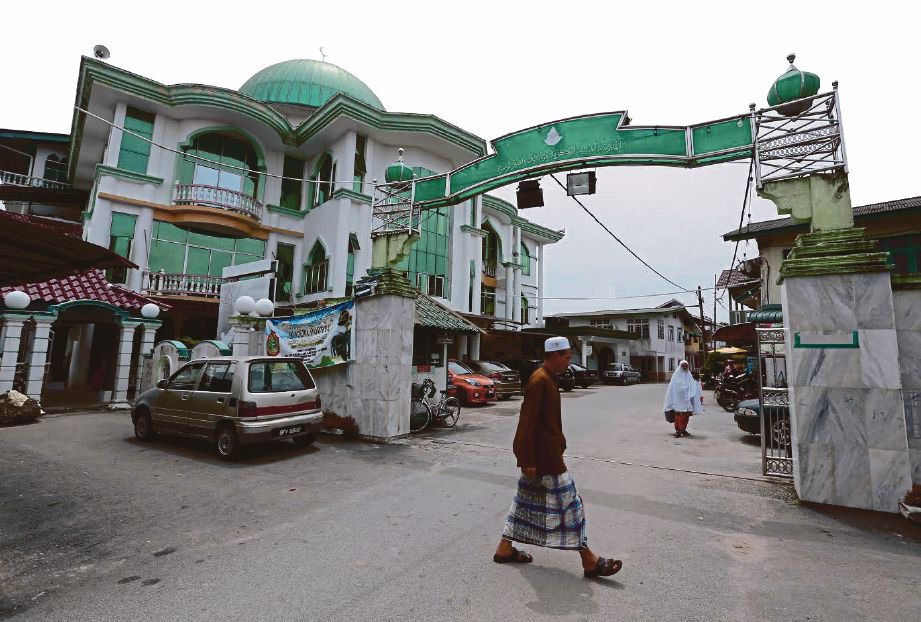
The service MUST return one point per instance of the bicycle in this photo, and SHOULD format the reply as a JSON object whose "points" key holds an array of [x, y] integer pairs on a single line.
{"points": [[423, 409]]}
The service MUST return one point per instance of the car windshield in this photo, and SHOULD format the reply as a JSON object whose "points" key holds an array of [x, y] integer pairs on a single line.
{"points": [[487, 367], [577, 367], [278, 376], [616, 366], [456, 368]]}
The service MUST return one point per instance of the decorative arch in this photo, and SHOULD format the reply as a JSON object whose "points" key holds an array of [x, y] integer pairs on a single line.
{"points": [[524, 259], [316, 270], [492, 244], [185, 167], [322, 180]]}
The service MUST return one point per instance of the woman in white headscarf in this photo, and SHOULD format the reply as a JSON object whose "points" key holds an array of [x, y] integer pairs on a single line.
{"points": [[683, 397]]}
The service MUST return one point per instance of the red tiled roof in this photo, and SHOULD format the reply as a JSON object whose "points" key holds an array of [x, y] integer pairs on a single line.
{"points": [[89, 285], [73, 229]]}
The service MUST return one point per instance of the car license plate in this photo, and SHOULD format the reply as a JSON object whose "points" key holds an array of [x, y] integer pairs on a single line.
{"points": [[289, 431]]}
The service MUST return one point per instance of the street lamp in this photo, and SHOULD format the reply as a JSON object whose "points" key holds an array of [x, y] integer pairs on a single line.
{"points": [[529, 194], [580, 183]]}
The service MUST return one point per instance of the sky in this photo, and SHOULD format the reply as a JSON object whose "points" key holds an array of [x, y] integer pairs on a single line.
{"points": [[496, 67]]}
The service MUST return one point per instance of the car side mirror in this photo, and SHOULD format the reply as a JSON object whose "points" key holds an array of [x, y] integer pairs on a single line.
{"points": [[161, 384]]}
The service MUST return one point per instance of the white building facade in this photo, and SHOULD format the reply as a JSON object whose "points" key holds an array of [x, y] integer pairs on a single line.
{"points": [[660, 343], [193, 184]]}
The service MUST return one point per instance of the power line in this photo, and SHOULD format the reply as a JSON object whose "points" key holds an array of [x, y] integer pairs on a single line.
{"points": [[611, 233], [674, 293], [745, 202]]}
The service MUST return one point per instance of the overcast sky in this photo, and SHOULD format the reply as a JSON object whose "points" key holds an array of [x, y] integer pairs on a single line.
{"points": [[495, 67]]}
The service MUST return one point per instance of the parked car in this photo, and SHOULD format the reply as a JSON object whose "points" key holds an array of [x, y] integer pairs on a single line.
{"points": [[468, 386], [507, 381], [748, 418], [620, 373], [583, 376], [525, 367], [233, 401]]}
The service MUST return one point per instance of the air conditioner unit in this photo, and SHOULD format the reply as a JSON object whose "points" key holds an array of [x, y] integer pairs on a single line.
{"points": [[737, 317]]}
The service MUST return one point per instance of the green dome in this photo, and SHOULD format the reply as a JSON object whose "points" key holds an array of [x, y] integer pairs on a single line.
{"points": [[307, 83], [794, 84], [398, 172]]}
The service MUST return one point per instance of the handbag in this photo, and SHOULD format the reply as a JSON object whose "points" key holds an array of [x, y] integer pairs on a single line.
{"points": [[670, 416]]}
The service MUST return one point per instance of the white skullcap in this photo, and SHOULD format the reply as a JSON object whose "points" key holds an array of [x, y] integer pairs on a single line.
{"points": [[555, 344]]}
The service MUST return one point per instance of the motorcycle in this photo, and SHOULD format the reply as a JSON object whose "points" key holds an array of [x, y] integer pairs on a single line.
{"points": [[734, 389]]}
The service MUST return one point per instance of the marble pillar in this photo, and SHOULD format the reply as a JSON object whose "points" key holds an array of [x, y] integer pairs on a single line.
{"points": [[462, 352], [10, 333], [41, 345], [849, 436], [907, 303], [382, 370], [475, 347]]}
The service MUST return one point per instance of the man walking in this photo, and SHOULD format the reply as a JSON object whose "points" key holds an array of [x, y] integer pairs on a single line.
{"points": [[547, 510]]}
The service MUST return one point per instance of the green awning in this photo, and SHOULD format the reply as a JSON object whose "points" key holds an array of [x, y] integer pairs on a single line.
{"points": [[432, 314]]}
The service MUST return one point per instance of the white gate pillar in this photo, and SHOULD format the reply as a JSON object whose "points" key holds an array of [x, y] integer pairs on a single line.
{"points": [[10, 334], [123, 360], [35, 377]]}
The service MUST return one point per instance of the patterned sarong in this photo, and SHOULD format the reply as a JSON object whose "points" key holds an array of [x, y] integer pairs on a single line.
{"points": [[547, 512]]}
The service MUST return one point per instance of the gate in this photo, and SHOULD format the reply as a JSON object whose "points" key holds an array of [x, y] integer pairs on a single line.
{"points": [[774, 401]]}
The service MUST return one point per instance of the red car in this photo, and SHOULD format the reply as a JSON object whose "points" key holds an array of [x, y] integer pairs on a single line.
{"points": [[469, 387]]}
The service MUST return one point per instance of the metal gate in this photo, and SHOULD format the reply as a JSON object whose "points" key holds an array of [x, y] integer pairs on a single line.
{"points": [[774, 401]]}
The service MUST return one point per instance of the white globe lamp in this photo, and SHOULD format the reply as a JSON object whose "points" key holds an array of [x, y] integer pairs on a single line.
{"points": [[16, 299], [265, 307], [245, 305], [150, 311]]}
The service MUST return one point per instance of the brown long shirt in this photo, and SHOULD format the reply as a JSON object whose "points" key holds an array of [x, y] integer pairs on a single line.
{"points": [[539, 440]]}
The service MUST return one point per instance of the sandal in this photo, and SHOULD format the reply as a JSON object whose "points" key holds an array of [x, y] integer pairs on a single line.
{"points": [[517, 557], [605, 568]]}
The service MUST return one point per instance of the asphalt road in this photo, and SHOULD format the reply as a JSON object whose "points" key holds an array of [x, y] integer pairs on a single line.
{"points": [[96, 526]]}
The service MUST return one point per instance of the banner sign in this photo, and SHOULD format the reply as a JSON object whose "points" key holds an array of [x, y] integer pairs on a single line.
{"points": [[322, 338]]}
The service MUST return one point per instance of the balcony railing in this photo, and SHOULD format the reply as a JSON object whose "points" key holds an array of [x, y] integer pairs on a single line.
{"points": [[221, 198], [172, 284], [489, 269], [18, 179]]}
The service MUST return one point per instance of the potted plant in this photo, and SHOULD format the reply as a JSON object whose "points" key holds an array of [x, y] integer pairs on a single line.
{"points": [[910, 505]]}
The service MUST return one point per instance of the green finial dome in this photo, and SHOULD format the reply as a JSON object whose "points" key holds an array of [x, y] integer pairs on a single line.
{"points": [[794, 84], [398, 172], [307, 83]]}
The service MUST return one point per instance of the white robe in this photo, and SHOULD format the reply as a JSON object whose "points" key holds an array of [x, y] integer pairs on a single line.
{"points": [[683, 394]]}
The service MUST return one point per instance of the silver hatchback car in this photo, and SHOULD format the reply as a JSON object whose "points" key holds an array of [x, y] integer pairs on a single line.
{"points": [[233, 401]]}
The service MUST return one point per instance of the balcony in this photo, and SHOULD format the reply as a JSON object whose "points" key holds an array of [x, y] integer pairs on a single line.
{"points": [[221, 198], [489, 269], [18, 179], [173, 284]]}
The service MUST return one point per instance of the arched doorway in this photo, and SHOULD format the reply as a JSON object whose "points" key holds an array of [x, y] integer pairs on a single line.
{"points": [[83, 354], [605, 357]]}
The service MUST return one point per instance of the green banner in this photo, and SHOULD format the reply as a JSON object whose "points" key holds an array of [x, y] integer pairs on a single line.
{"points": [[604, 139]]}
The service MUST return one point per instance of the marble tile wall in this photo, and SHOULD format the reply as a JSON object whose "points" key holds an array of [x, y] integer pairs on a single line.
{"points": [[374, 389], [907, 304], [847, 409]]}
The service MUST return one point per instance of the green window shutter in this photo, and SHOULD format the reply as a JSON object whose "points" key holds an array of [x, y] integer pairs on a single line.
{"points": [[135, 152], [122, 225]]}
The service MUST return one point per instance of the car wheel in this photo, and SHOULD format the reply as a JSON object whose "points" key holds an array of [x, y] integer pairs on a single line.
{"points": [[226, 443], [305, 440], [143, 426]]}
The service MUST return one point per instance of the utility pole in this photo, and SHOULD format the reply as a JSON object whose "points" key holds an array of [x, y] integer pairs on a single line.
{"points": [[703, 323], [715, 281]]}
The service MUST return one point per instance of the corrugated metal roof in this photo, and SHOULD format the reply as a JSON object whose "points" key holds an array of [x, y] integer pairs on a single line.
{"points": [[862, 211], [432, 314], [734, 278]]}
